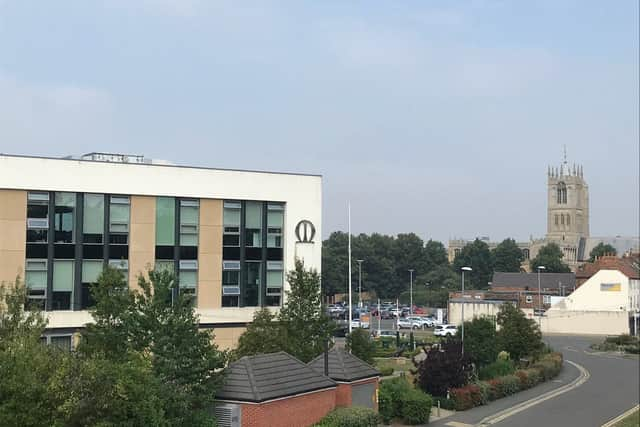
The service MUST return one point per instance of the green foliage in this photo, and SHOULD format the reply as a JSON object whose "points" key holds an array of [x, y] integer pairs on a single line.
{"points": [[448, 404], [385, 403], [398, 399], [467, 397], [443, 369], [601, 249], [499, 368], [15, 322], [353, 416], [415, 407], [504, 355], [386, 371], [518, 335], [550, 256], [263, 335], [361, 345], [477, 256], [305, 326], [480, 340], [507, 256]]}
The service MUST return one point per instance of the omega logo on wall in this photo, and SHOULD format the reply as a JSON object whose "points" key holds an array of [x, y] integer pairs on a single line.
{"points": [[305, 231]]}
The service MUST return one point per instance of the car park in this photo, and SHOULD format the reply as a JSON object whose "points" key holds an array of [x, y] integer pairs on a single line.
{"points": [[445, 330], [408, 324]]}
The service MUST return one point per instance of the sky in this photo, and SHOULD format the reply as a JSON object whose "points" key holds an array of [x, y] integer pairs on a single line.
{"points": [[433, 117]]}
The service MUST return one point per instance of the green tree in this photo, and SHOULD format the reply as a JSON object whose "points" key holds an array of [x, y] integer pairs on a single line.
{"points": [[477, 256], [306, 327], [360, 344], [263, 335], [480, 340], [507, 257], [518, 335], [435, 255], [601, 249], [163, 328], [334, 263], [550, 256]]}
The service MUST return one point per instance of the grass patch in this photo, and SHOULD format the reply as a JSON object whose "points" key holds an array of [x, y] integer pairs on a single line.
{"points": [[400, 364], [632, 420]]}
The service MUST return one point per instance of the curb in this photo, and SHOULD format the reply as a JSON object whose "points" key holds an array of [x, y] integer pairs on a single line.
{"points": [[506, 413], [621, 416]]}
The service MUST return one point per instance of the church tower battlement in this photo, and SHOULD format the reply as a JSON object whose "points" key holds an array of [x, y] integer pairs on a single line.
{"points": [[567, 203]]}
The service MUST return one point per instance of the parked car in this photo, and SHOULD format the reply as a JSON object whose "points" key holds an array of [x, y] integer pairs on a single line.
{"points": [[408, 324], [383, 334], [423, 322], [394, 312], [445, 330], [357, 323]]}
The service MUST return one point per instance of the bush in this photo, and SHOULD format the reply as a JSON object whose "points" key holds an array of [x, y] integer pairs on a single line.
{"points": [[499, 368], [623, 339], [386, 371], [353, 416], [467, 397], [443, 369], [395, 388], [632, 349], [385, 405], [445, 403], [494, 390], [361, 345], [415, 407], [509, 384], [480, 341], [504, 355]]}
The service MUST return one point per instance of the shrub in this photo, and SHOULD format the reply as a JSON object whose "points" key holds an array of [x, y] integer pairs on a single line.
{"points": [[361, 345], [623, 339], [443, 369], [395, 388], [632, 349], [385, 404], [445, 403], [480, 340], [353, 416], [518, 335], [533, 376], [504, 355], [467, 397], [484, 392], [495, 389], [509, 384], [496, 369], [386, 371], [415, 407]]}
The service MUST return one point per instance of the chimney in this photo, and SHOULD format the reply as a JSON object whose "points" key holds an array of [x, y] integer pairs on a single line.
{"points": [[326, 358]]}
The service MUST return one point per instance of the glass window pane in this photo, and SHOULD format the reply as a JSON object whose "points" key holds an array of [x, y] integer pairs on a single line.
{"points": [[165, 266], [232, 217], [93, 221], [188, 279], [274, 279], [252, 286], [66, 199], [275, 218], [62, 275], [36, 279], [119, 214], [165, 221], [91, 270], [254, 215], [188, 240], [189, 215]]}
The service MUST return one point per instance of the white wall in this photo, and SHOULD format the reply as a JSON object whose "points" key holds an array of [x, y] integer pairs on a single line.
{"points": [[471, 309], [578, 322], [589, 296]]}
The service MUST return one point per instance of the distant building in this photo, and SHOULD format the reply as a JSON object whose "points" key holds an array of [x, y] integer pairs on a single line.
{"points": [[567, 222]]}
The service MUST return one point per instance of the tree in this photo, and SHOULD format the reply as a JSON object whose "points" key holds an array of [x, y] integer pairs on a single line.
{"points": [[443, 369], [361, 345], [477, 256], [601, 249], [480, 341], [305, 326], [550, 256], [507, 257], [518, 335], [153, 324], [263, 335], [334, 263], [435, 255]]}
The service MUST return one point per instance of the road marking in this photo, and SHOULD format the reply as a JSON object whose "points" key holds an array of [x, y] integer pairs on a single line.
{"points": [[621, 416], [457, 424], [506, 413]]}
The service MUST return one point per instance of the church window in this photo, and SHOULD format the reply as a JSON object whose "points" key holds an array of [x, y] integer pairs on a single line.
{"points": [[557, 219], [568, 220], [561, 193], [562, 219]]}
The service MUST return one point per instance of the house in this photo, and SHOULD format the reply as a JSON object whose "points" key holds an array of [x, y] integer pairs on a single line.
{"points": [[273, 390], [357, 381]]}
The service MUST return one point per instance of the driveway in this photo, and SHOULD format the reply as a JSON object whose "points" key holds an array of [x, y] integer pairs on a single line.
{"points": [[612, 388]]}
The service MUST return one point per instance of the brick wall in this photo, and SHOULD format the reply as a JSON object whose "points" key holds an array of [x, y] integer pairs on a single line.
{"points": [[343, 395], [299, 411]]}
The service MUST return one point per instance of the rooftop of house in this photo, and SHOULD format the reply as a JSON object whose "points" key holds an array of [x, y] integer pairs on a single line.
{"points": [[344, 366], [628, 265], [529, 281]]}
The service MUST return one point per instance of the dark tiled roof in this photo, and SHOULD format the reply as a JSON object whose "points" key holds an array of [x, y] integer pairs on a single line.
{"points": [[530, 280], [344, 366], [270, 376]]}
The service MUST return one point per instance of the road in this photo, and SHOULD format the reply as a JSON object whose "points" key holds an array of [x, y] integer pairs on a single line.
{"points": [[612, 387]]}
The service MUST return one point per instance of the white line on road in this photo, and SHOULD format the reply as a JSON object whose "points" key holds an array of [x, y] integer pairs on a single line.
{"points": [[506, 413], [621, 416]]}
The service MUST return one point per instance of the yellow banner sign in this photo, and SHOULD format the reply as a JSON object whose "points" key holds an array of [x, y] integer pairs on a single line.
{"points": [[610, 287]]}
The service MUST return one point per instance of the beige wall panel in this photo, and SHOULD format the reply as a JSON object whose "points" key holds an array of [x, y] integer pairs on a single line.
{"points": [[13, 204], [227, 338], [142, 242], [210, 254], [13, 234]]}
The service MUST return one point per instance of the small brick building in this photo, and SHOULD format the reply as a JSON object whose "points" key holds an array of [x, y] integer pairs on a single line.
{"points": [[357, 381], [273, 390]]}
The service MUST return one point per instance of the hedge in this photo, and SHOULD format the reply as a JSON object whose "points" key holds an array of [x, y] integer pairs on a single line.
{"points": [[482, 392], [354, 416], [499, 368], [398, 399], [415, 407]]}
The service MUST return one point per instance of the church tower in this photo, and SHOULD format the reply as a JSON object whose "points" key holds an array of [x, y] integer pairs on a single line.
{"points": [[567, 203]]}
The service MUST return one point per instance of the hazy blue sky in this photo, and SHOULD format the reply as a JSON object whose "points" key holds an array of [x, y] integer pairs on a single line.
{"points": [[433, 117]]}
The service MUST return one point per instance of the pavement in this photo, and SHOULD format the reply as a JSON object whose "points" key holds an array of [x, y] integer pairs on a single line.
{"points": [[592, 389]]}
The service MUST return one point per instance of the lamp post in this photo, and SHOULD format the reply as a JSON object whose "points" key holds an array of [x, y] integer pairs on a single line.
{"points": [[428, 289], [360, 282], [463, 269], [411, 291], [540, 267]]}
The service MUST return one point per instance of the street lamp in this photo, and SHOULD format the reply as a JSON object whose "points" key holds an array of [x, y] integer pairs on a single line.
{"points": [[411, 291], [428, 285], [360, 282], [462, 330], [540, 267]]}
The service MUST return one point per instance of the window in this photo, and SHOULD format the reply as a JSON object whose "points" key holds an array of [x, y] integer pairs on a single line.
{"points": [[189, 220], [91, 270], [557, 220], [275, 223], [122, 265], [230, 283], [64, 217], [36, 281], [37, 217], [525, 253], [568, 220], [63, 284], [529, 299], [188, 279], [253, 225], [93, 218], [165, 221], [546, 299], [274, 283], [163, 265], [231, 224], [252, 286], [119, 220], [63, 342], [561, 196], [562, 219]]}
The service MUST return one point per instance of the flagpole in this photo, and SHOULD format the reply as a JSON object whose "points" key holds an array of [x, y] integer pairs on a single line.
{"points": [[349, 250]]}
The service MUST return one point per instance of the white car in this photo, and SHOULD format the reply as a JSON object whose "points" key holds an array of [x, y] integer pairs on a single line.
{"points": [[408, 324], [356, 323], [445, 330], [422, 322]]}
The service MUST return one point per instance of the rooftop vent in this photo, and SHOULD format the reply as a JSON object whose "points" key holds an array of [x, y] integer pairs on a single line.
{"points": [[115, 158]]}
